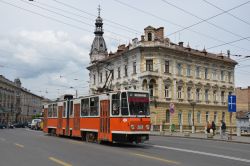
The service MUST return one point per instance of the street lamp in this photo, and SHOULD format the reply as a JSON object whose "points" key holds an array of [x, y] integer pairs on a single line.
{"points": [[193, 103]]}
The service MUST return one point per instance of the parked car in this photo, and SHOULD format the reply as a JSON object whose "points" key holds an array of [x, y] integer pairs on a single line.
{"points": [[2, 126], [19, 125], [35, 124], [29, 124]]}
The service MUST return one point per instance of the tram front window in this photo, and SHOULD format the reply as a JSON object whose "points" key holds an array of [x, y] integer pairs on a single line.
{"points": [[138, 103]]}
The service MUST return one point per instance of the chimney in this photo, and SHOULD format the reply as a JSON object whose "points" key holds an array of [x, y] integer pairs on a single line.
{"points": [[228, 53], [181, 44], [159, 33]]}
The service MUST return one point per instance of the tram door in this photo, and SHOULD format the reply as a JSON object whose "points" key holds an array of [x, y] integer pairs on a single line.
{"points": [[104, 121], [59, 122]]}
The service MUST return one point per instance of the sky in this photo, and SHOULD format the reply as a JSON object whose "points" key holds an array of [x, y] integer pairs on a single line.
{"points": [[46, 43]]}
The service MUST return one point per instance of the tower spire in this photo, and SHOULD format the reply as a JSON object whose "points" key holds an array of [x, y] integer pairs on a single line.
{"points": [[98, 48], [99, 10]]}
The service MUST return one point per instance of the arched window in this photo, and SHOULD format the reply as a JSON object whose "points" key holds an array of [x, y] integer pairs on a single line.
{"points": [[149, 36]]}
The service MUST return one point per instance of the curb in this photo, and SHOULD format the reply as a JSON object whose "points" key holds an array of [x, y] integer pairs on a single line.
{"points": [[208, 139]]}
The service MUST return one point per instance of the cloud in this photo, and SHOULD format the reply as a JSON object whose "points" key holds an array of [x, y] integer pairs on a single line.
{"points": [[33, 53]]}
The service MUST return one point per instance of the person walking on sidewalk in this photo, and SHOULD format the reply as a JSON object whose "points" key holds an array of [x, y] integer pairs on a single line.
{"points": [[223, 129], [213, 127]]}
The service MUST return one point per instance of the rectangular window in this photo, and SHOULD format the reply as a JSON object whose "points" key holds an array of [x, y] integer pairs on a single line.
{"points": [[166, 66], [222, 75], [179, 92], [119, 72], [206, 73], [85, 107], [215, 95], [206, 95], [215, 117], [54, 110], [189, 93], [197, 94], [188, 70], [222, 96], [112, 74], [207, 116], [124, 104], [71, 111], [197, 71], [94, 106], [50, 110], [167, 91], [198, 117], [64, 109], [101, 77], [229, 77], [134, 67], [214, 73], [180, 118], [179, 68], [126, 70], [167, 116], [189, 118], [149, 65], [115, 104], [94, 79], [106, 73]]}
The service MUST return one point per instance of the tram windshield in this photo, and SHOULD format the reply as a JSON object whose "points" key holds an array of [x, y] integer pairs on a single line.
{"points": [[138, 103]]}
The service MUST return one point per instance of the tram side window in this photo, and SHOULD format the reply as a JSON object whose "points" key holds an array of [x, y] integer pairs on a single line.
{"points": [[85, 107], [124, 106], [116, 104], [71, 109], [64, 109], [94, 102], [54, 110], [50, 111]]}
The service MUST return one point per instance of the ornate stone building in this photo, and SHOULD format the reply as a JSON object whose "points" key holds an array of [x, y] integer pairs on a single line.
{"points": [[173, 74], [16, 103]]}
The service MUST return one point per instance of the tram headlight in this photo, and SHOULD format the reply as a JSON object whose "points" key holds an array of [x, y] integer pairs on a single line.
{"points": [[132, 127], [148, 127]]}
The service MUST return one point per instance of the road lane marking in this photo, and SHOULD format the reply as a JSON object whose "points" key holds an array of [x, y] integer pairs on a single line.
{"points": [[2, 139], [19, 145], [156, 158], [59, 161], [203, 153]]}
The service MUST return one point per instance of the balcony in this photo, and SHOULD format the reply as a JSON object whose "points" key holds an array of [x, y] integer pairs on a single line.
{"points": [[150, 74]]}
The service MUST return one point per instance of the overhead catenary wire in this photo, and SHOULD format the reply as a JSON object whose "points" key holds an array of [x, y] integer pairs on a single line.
{"points": [[71, 18], [209, 18], [236, 17], [90, 14], [175, 24], [204, 20]]}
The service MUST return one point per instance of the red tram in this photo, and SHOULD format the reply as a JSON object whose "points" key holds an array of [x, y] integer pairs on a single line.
{"points": [[121, 116]]}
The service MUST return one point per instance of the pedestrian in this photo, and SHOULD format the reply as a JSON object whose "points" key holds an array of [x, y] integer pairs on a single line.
{"points": [[223, 129], [208, 127], [213, 127]]}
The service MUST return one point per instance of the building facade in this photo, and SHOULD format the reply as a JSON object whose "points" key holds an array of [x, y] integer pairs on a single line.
{"points": [[17, 104], [195, 84], [243, 99]]}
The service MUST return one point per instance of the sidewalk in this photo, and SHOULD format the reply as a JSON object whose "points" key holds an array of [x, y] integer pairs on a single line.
{"points": [[217, 137]]}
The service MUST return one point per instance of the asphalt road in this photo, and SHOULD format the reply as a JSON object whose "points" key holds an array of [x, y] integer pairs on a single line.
{"points": [[24, 147]]}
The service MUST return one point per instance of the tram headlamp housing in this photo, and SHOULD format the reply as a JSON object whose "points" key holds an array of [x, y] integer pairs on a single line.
{"points": [[147, 127], [132, 127]]}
